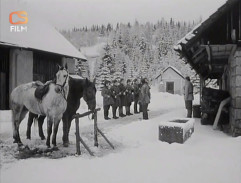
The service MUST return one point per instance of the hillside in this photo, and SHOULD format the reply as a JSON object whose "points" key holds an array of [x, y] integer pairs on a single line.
{"points": [[129, 51]]}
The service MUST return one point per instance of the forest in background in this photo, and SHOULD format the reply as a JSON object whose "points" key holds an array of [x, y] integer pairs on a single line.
{"points": [[131, 50]]}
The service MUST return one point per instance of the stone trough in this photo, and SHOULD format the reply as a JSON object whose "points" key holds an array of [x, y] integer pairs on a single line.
{"points": [[178, 130]]}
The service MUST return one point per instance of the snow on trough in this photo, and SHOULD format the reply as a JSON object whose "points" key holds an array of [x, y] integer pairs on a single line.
{"points": [[139, 157]]}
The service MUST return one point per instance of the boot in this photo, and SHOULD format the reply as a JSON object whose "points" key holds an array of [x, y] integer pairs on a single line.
{"points": [[114, 112], [135, 108], [121, 112]]}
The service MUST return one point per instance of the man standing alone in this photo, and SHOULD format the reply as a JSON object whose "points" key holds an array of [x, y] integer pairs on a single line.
{"points": [[145, 97], [188, 96]]}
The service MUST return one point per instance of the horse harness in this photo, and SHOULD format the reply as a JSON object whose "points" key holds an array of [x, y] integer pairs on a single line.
{"points": [[62, 88]]}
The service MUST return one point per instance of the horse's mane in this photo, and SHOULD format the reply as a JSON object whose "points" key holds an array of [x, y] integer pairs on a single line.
{"points": [[77, 86]]}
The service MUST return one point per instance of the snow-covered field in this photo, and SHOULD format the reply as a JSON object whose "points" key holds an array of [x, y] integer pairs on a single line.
{"points": [[139, 157]]}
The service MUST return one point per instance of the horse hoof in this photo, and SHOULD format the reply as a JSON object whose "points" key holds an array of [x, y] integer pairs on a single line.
{"points": [[55, 148], [43, 138], [28, 138], [20, 145], [66, 144], [15, 141]]}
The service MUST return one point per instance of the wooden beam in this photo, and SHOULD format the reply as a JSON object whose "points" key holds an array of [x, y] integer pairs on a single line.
{"points": [[199, 51], [200, 57], [227, 26], [239, 4], [209, 52], [232, 52]]}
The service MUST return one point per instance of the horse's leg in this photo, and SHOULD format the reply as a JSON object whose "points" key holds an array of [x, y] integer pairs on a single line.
{"points": [[65, 130], [31, 117], [67, 118], [15, 118], [18, 116], [56, 126], [40, 127], [49, 130]]}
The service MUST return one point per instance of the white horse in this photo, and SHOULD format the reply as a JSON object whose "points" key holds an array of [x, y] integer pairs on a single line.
{"points": [[52, 105]]}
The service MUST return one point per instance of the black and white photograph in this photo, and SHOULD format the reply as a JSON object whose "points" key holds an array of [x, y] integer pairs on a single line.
{"points": [[120, 91]]}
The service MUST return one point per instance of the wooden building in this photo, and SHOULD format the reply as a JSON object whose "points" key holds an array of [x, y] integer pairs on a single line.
{"points": [[213, 49], [32, 55], [170, 80]]}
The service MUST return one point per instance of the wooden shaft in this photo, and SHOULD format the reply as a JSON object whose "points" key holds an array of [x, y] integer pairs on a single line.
{"points": [[77, 136], [85, 114], [239, 20], [95, 130], [228, 26], [105, 138]]}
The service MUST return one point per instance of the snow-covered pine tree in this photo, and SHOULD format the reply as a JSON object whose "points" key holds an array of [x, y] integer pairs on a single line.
{"points": [[82, 69]]}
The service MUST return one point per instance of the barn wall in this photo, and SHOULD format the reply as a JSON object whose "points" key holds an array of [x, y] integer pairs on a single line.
{"points": [[235, 91], [171, 76], [21, 67]]}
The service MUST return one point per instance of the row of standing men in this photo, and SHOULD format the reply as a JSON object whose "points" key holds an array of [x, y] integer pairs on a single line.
{"points": [[118, 95]]}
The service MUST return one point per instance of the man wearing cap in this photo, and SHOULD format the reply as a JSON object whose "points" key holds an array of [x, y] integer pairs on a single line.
{"points": [[129, 97], [107, 98], [145, 97], [136, 90], [116, 96], [122, 89], [188, 96]]}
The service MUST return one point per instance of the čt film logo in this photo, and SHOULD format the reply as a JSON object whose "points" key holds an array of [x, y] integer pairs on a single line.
{"points": [[18, 19]]}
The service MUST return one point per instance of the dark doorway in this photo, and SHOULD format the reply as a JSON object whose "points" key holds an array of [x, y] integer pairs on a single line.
{"points": [[170, 87], [45, 66], [4, 78]]}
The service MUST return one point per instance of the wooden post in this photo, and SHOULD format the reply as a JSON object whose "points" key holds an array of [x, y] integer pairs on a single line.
{"points": [[239, 4], [228, 26], [95, 130], [222, 104], [77, 136], [201, 88]]}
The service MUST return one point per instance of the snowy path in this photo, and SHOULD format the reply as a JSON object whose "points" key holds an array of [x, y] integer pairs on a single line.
{"points": [[139, 157]]}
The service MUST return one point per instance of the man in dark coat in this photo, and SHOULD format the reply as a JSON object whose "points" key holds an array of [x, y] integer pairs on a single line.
{"points": [[116, 96], [122, 89], [136, 91], [188, 96], [107, 99], [145, 98], [129, 97], [140, 85]]}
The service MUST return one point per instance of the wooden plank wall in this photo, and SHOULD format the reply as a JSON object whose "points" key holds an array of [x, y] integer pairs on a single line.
{"points": [[45, 66]]}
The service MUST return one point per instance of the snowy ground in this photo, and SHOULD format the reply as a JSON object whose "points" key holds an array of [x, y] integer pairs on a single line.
{"points": [[208, 156]]}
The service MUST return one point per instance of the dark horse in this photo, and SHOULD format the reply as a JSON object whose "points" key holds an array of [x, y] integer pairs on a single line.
{"points": [[78, 88]]}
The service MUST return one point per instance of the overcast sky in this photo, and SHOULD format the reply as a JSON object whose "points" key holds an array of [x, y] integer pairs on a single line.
{"points": [[67, 13]]}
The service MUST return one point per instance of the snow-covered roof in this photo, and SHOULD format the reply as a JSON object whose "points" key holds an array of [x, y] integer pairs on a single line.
{"points": [[197, 30], [39, 36], [170, 67]]}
